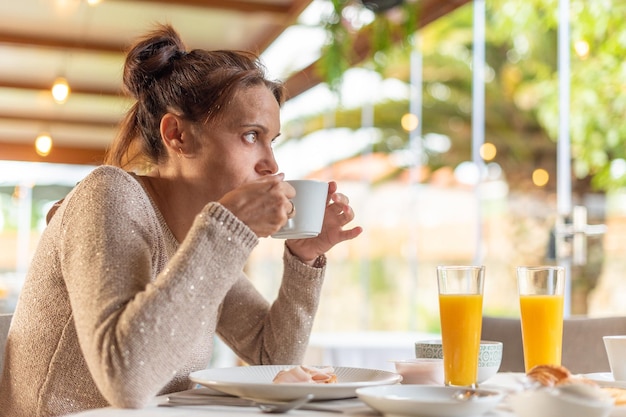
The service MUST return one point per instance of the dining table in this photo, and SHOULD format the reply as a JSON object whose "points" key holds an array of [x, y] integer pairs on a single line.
{"points": [[159, 407]]}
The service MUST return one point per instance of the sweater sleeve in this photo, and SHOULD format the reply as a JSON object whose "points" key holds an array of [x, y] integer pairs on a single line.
{"points": [[280, 334], [135, 332]]}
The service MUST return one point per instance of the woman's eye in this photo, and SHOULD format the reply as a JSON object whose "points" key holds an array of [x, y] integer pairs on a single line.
{"points": [[250, 137]]}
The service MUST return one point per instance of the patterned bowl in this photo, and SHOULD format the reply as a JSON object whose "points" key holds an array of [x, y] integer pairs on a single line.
{"points": [[489, 358]]}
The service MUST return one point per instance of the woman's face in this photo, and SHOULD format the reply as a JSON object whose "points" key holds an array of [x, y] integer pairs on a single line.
{"points": [[238, 148]]}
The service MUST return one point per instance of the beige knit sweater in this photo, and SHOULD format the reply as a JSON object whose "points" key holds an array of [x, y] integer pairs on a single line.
{"points": [[114, 311]]}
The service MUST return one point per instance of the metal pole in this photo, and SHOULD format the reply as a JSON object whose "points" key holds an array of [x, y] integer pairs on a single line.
{"points": [[367, 122], [564, 181], [478, 117], [415, 143], [563, 165]]}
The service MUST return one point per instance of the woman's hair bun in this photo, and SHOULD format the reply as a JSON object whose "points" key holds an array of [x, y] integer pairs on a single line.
{"points": [[151, 58]]}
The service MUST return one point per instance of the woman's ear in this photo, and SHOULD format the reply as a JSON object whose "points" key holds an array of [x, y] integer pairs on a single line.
{"points": [[172, 127]]}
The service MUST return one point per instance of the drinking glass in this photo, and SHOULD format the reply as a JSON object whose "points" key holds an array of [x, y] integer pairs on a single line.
{"points": [[460, 311], [541, 308]]}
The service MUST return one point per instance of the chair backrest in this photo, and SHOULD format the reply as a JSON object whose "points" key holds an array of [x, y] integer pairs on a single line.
{"points": [[583, 347], [5, 323], [509, 332]]}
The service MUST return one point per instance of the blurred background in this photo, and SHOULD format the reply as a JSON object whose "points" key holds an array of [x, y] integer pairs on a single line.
{"points": [[488, 132]]}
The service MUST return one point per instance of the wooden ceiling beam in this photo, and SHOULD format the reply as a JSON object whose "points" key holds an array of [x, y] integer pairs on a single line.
{"points": [[434, 9], [59, 43], [235, 5], [75, 88], [60, 120], [63, 155]]}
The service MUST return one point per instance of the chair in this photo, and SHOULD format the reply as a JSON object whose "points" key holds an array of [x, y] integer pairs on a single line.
{"points": [[583, 347], [5, 323]]}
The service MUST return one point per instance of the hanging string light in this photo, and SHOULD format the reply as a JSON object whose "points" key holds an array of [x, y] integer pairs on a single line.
{"points": [[60, 90], [43, 144]]}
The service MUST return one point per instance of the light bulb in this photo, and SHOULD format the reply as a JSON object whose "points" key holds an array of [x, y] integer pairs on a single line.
{"points": [[43, 144], [60, 90]]}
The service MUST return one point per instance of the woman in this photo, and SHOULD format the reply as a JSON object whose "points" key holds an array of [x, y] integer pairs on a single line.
{"points": [[135, 274]]}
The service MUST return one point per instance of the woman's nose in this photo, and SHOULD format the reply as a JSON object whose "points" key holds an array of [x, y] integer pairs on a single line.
{"points": [[267, 165]]}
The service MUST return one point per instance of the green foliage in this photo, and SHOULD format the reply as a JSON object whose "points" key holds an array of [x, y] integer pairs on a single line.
{"points": [[338, 53], [596, 112], [522, 91]]}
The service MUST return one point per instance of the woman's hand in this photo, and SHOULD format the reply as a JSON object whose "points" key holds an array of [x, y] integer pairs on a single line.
{"points": [[263, 205], [338, 213]]}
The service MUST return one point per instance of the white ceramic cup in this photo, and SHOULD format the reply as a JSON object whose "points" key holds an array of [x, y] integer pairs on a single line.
{"points": [[310, 205], [616, 352]]}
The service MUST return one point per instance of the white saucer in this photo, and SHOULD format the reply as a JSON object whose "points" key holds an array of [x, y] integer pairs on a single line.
{"points": [[426, 401]]}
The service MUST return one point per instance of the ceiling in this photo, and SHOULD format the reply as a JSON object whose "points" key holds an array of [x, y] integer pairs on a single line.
{"points": [[41, 40]]}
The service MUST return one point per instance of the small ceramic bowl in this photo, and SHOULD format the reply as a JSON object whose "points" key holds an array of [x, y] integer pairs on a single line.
{"points": [[489, 358], [420, 371]]}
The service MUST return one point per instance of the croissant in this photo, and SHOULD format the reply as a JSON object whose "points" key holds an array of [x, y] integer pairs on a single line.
{"points": [[554, 375], [549, 375]]}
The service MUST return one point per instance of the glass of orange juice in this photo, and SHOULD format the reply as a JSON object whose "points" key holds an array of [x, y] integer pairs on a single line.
{"points": [[541, 291], [460, 312]]}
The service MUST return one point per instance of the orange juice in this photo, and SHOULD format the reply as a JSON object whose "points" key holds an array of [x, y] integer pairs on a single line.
{"points": [[461, 322], [542, 329]]}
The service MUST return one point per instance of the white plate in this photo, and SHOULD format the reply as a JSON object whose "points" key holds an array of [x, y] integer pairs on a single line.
{"points": [[605, 379], [256, 382], [426, 401]]}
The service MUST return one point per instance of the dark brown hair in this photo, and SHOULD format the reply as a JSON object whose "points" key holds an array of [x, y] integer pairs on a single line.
{"points": [[163, 77]]}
